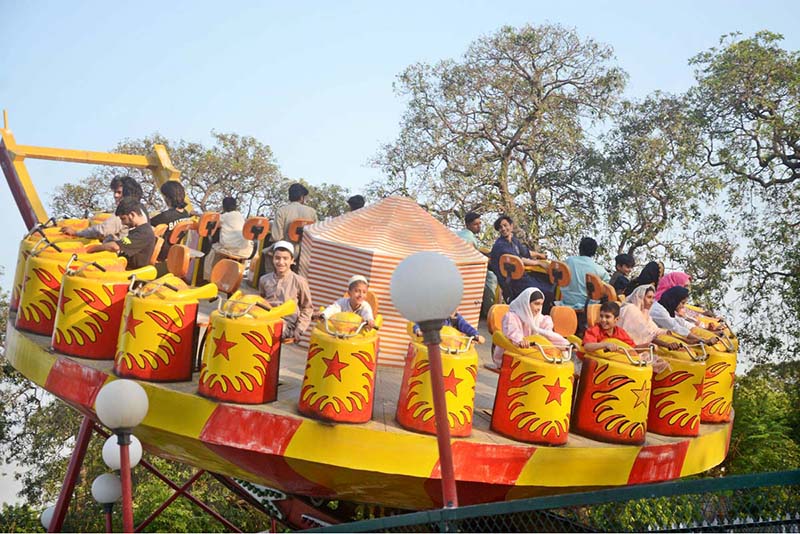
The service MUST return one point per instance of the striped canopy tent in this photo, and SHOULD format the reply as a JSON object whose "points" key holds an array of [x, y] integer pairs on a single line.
{"points": [[371, 241]]}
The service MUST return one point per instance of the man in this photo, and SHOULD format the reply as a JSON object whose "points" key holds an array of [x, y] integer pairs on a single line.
{"points": [[296, 209], [574, 294], [281, 285], [472, 223], [112, 228], [137, 246], [356, 202]]}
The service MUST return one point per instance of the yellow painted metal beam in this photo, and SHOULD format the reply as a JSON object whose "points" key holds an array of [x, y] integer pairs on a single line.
{"points": [[84, 156]]}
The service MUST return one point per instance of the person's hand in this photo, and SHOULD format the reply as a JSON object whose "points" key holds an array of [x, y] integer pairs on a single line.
{"points": [[674, 346], [524, 344], [611, 347], [68, 230], [316, 316], [480, 340], [370, 324]]}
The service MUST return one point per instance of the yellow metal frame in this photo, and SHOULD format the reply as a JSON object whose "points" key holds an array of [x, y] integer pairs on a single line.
{"points": [[158, 163]]}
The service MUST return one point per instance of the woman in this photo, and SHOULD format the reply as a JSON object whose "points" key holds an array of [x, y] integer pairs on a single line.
{"points": [[174, 196], [650, 275], [670, 280], [525, 318], [508, 244], [668, 313], [634, 318]]}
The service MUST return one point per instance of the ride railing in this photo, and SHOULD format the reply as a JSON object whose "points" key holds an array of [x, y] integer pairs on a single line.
{"points": [[763, 502]]}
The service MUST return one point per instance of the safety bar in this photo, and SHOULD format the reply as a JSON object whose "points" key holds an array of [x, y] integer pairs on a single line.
{"points": [[40, 227], [569, 348], [83, 267], [229, 314], [344, 335], [459, 350], [639, 361]]}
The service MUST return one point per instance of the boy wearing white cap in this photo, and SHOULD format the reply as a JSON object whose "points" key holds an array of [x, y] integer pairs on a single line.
{"points": [[281, 285], [355, 301]]}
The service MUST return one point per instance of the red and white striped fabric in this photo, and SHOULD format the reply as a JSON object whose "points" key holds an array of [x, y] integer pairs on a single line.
{"points": [[371, 241]]}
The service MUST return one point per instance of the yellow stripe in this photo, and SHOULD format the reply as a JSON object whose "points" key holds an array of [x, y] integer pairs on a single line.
{"points": [[26, 356], [187, 413], [706, 451], [579, 466]]}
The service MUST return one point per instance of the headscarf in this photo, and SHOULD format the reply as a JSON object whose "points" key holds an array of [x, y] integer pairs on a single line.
{"points": [[651, 273], [635, 320], [672, 297], [539, 324], [678, 278]]}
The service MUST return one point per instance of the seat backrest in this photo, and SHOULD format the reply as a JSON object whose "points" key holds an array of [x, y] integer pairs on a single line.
{"points": [[565, 320], [178, 259], [208, 223], [494, 319], [227, 275], [156, 250], [255, 228], [559, 273], [592, 314], [160, 229], [609, 293], [594, 287], [295, 229], [511, 266], [180, 229]]}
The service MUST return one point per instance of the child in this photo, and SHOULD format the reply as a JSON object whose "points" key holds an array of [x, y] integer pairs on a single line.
{"points": [[457, 321], [594, 338], [525, 318], [355, 301], [624, 265]]}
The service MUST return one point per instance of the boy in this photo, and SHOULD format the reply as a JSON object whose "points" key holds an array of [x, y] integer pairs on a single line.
{"points": [[595, 338], [281, 285], [457, 321], [355, 302], [138, 243], [574, 294], [624, 265]]}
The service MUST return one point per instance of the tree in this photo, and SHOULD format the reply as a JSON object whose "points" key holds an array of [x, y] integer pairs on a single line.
{"points": [[656, 195], [503, 128], [747, 100]]}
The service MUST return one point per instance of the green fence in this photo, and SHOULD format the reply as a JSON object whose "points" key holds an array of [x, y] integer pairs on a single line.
{"points": [[764, 502]]}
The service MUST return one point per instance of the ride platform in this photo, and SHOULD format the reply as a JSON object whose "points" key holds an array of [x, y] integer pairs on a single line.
{"points": [[273, 444]]}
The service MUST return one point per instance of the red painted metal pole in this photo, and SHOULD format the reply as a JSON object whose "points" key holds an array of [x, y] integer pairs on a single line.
{"points": [[432, 337], [124, 441], [169, 501], [75, 462], [107, 509], [449, 493]]}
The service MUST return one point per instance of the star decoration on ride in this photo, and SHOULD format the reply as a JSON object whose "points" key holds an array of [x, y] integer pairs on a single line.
{"points": [[554, 392], [131, 324], [334, 366], [699, 390], [222, 346], [642, 395], [451, 382]]}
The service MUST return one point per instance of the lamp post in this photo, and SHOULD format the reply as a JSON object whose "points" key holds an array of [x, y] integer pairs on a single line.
{"points": [[47, 517], [107, 489], [121, 405], [111, 452], [426, 288]]}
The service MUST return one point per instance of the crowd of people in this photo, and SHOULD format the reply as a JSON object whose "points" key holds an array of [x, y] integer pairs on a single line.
{"points": [[653, 310]]}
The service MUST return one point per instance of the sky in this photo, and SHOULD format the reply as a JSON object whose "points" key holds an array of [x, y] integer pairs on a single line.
{"points": [[313, 80]]}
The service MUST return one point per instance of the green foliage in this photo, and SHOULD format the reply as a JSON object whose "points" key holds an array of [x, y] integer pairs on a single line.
{"points": [[20, 518]]}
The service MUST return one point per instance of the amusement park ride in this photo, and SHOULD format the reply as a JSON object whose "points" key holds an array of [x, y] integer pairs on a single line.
{"points": [[336, 416]]}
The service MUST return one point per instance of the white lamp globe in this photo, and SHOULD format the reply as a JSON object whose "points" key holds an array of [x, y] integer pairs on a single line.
{"points": [[426, 286], [111, 452], [47, 516], [121, 404], [107, 488]]}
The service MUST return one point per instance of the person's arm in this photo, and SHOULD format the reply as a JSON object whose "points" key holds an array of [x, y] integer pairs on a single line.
{"points": [[602, 273], [464, 327], [512, 328], [330, 310], [278, 225], [591, 343], [109, 246]]}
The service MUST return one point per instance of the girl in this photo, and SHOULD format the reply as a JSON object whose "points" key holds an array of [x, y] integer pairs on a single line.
{"points": [[668, 313], [525, 318]]}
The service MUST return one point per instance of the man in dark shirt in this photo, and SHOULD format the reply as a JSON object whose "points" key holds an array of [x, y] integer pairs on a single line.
{"points": [[137, 247]]}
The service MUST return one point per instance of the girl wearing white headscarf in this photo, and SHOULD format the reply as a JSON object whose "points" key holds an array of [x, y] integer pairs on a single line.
{"points": [[634, 316], [525, 318]]}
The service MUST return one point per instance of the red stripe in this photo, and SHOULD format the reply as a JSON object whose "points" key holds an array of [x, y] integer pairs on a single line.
{"points": [[659, 462], [74, 382]]}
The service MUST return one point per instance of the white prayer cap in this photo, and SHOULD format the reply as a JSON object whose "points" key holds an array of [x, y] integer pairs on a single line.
{"points": [[285, 245], [356, 278]]}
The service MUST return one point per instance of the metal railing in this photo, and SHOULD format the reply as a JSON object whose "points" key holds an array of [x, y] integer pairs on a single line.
{"points": [[764, 502]]}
